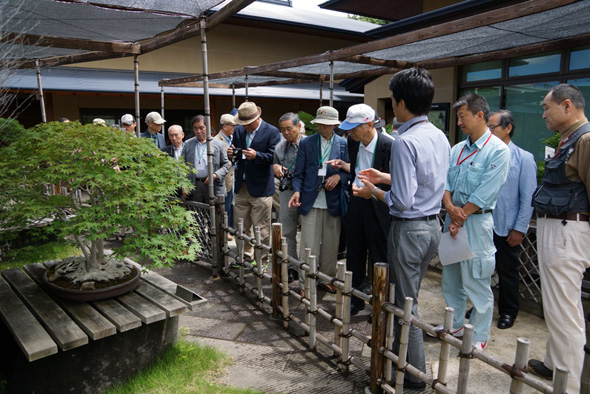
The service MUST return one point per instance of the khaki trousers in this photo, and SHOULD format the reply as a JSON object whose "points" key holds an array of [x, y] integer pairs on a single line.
{"points": [[564, 255], [321, 232], [256, 212]]}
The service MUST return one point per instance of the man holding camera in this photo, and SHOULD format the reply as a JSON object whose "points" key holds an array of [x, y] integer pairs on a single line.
{"points": [[283, 168], [317, 193]]}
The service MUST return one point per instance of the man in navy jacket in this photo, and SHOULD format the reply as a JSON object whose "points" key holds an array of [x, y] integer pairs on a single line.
{"points": [[254, 179], [317, 193]]}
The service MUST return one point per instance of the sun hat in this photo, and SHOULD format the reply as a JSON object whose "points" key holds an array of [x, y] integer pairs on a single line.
{"points": [[127, 119], [154, 117], [326, 115], [99, 122], [248, 112], [227, 119], [356, 115]]}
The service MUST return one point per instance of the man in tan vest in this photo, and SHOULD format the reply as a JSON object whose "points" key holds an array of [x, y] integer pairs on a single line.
{"points": [[225, 135]]}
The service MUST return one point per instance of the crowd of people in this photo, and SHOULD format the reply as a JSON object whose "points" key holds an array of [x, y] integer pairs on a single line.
{"points": [[384, 193]]}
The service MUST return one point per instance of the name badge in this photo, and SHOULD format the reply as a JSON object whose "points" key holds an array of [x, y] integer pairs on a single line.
{"points": [[323, 170], [201, 165]]}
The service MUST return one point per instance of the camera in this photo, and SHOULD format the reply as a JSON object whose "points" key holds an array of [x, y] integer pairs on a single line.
{"points": [[322, 186], [237, 154], [286, 182]]}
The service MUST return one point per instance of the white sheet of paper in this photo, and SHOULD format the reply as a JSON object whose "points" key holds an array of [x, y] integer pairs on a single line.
{"points": [[549, 152], [451, 250], [323, 170]]}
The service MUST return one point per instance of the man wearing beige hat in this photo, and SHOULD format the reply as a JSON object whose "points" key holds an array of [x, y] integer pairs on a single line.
{"points": [[225, 135], [253, 147], [128, 123], [317, 195], [154, 122]]}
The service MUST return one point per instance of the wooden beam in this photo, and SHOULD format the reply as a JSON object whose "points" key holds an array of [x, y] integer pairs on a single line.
{"points": [[193, 29], [377, 62], [532, 49], [288, 74], [70, 43], [69, 59]]}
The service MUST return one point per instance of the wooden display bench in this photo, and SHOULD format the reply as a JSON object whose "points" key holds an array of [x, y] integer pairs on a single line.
{"points": [[55, 346]]}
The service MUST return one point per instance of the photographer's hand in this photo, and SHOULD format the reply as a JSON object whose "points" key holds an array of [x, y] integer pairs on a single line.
{"points": [[230, 151], [249, 153], [278, 169]]}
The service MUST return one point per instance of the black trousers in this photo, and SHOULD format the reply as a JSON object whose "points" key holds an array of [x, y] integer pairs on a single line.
{"points": [[507, 266]]}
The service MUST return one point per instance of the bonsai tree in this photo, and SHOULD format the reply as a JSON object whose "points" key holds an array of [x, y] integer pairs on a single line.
{"points": [[111, 181]]}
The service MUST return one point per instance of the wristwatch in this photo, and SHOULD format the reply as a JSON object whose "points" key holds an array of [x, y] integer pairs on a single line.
{"points": [[373, 196]]}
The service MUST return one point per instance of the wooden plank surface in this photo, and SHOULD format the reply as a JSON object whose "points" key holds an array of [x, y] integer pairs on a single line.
{"points": [[58, 324], [117, 314], [94, 324], [30, 335], [145, 310], [171, 305], [190, 298]]}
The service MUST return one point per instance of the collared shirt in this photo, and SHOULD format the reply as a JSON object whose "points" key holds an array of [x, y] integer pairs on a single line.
{"points": [[325, 149], [513, 207], [479, 178], [286, 154], [226, 138], [418, 166], [178, 151], [365, 158], [201, 159]]}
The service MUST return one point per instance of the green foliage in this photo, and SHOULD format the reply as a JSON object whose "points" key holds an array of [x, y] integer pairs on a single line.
{"points": [[552, 142], [375, 21], [37, 254], [306, 118], [184, 368], [124, 181], [10, 130]]}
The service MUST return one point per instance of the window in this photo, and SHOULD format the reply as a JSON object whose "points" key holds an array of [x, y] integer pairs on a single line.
{"points": [[482, 71], [532, 65], [580, 58]]}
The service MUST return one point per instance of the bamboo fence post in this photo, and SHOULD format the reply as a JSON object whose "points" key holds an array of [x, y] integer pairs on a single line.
{"points": [[277, 235], [257, 259], [466, 350], [390, 334], [380, 295], [520, 362], [340, 268], [285, 282], [445, 348], [346, 322], [307, 281], [225, 245], [218, 243], [313, 302], [560, 375], [241, 254], [403, 345]]}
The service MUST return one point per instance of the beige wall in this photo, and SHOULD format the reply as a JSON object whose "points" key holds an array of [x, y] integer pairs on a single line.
{"points": [[377, 93]]}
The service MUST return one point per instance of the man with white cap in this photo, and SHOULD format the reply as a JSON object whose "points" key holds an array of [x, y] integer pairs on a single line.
{"points": [[418, 167], [225, 135], [154, 122], [316, 186], [253, 147], [367, 221], [128, 123]]}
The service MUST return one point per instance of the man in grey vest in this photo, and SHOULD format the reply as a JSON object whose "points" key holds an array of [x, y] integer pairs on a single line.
{"points": [[563, 234]]}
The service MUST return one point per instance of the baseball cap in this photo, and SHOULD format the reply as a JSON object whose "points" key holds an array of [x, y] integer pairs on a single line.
{"points": [[154, 117], [127, 119], [356, 115]]}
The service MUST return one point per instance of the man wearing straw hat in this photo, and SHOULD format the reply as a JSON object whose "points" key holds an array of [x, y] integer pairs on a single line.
{"points": [[253, 147], [316, 187], [563, 234]]}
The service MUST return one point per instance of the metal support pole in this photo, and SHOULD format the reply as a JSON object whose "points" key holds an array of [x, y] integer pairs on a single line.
{"points": [[41, 96], [331, 83], [233, 95], [162, 101], [520, 363], [321, 91], [136, 90], [560, 380], [246, 85]]}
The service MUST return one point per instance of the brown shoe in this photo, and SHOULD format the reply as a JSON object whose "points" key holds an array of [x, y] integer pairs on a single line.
{"points": [[329, 288]]}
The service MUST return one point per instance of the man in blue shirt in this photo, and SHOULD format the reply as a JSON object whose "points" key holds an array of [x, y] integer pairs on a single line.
{"points": [[418, 166], [478, 169], [512, 216]]}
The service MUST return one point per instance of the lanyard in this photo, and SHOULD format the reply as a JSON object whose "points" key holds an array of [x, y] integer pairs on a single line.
{"points": [[322, 156], [248, 140], [200, 155], [459, 161]]}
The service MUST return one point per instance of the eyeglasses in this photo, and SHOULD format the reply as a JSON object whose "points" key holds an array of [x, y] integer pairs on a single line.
{"points": [[493, 127]]}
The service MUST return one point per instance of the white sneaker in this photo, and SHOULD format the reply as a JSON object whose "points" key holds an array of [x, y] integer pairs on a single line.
{"points": [[458, 333], [480, 345]]}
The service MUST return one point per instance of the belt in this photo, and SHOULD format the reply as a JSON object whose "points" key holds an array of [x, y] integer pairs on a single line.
{"points": [[200, 179], [481, 211], [431, 217], [579, 217]]}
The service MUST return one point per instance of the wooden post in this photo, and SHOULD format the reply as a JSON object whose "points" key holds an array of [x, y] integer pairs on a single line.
{"points": [[285, 283], [277, 235], [466, 350], [445, 348], [258, 260], [40, 88], [520, 363], [390, 334], [241, 254], [560, 375], [136, 95], [233, 95], [340, 269], [346, 322], [403, 345], [380, 295]]}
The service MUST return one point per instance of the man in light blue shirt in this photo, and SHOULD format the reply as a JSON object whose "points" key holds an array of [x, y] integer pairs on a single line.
{"points": [[511, 216], [418, 166], [478, 169]]}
